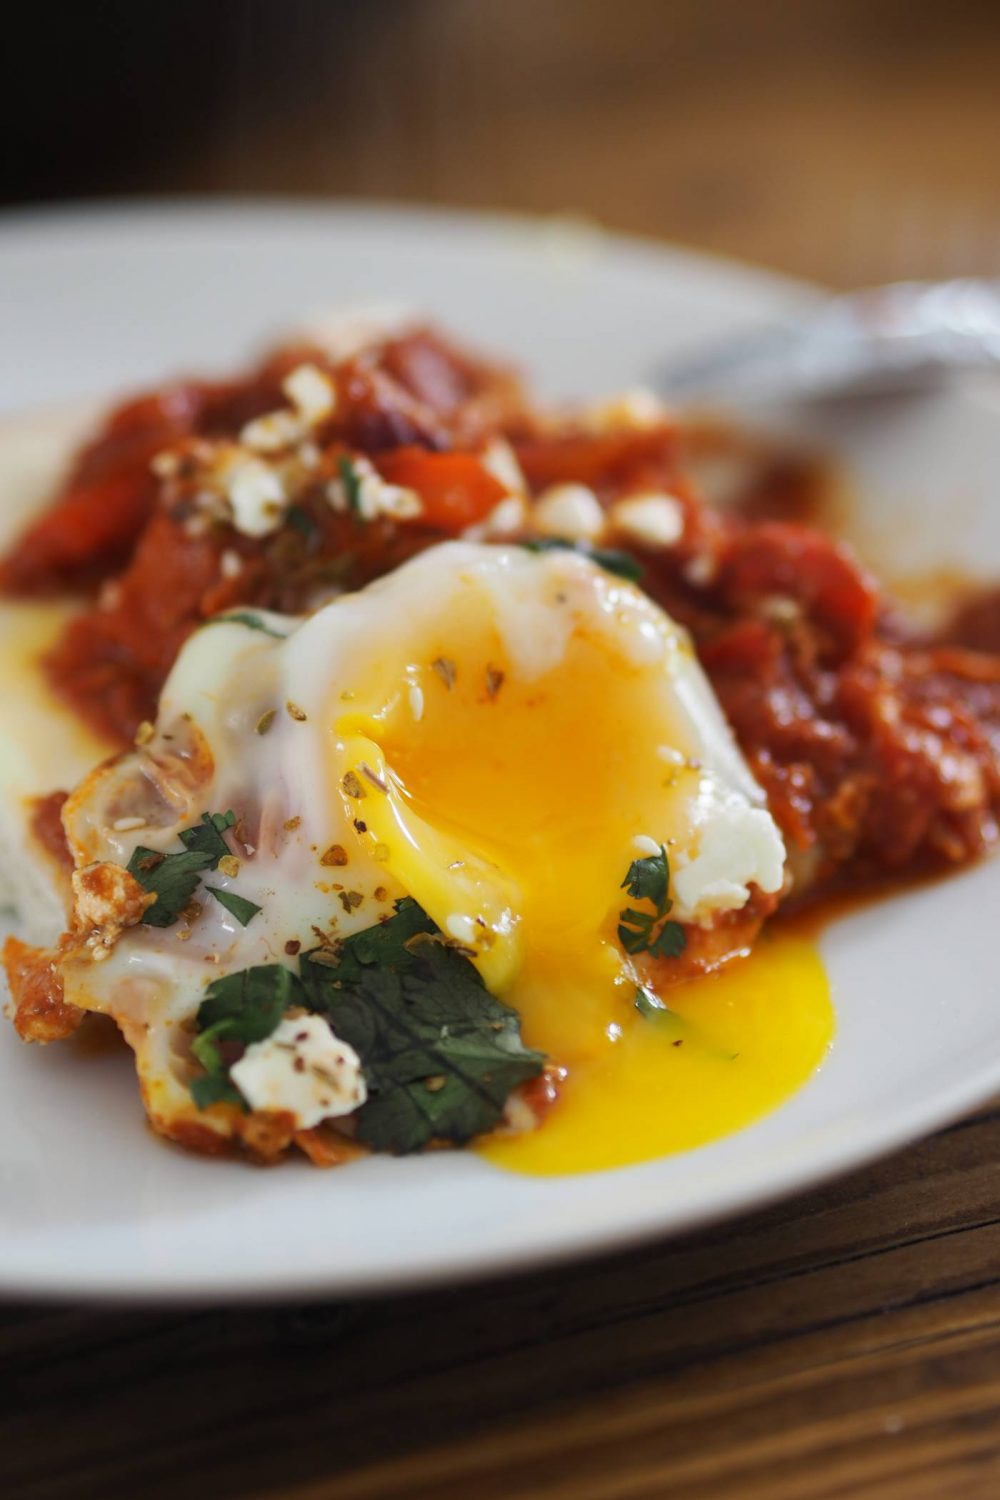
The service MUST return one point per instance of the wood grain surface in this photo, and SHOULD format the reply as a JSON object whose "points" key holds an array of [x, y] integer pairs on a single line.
{"points": [[846, 1344]]}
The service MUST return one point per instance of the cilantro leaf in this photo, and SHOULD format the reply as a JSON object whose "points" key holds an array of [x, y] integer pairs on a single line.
{"points": [[622, 564], [440, 1053], [174, 878], [242, 909], [649, 880], [244, 617], [383, 946], [214, 1088], [250, 1004], [351, 481], [670, 941]]}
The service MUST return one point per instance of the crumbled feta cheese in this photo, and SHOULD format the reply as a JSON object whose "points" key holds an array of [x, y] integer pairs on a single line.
{"points": [[500, 460], [637, 408], [652, 520], [302, 1069], [644, 845], [311, 392], [375, 496], [570, 510], [736, 845], [272, 432], [462, 929], [701, 570], [506, 517], [257, 496]]}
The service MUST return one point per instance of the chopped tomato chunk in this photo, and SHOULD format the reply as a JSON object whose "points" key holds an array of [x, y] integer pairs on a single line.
{"points": [[456, 488]]}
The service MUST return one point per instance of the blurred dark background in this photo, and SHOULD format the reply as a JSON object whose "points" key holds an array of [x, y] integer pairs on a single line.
{"points": [[848, 140]]}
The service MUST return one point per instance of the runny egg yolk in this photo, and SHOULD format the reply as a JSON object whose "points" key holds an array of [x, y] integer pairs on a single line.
{"points": [[731, 1048], [509, 807], [511, 811]]}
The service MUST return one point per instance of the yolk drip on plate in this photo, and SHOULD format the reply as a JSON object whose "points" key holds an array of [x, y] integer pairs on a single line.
{"points": [[732, 1047]]}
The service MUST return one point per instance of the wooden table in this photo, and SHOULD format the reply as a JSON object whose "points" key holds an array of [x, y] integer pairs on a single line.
{"points": [[843, 1345]]}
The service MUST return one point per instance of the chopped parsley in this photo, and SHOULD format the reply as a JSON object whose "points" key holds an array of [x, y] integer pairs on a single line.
{"points": [[238, 906], [647, 931], [250, 620], [623, 564], [440, 1054], [174, 878], [351, 480]]}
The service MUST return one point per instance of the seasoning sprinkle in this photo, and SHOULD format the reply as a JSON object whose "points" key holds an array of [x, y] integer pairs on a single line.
{"points": [[446, 670], [494, 681], [265, 721], [351, 785], [290, 824], [295, 712], [144, 733], [229, 865], [335, 855], [350, 899], [372, 776], [435, 1084]]}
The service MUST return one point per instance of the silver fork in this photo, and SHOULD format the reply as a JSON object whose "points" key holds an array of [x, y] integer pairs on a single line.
{"points": [[904, 336]]}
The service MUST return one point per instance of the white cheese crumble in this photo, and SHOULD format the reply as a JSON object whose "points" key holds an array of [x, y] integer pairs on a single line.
{"points": [[653, 520], [736, 845], [375, 496], [272, 432], [461, 928], [302, 1069], [506, 517], [257, 496], [311, 393], [570, 510], [500, 460], [644, 845]]}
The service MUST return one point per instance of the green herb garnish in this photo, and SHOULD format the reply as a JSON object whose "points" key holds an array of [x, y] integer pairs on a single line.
{"points": [[440, 1054], [244, 617], [623, 564], [174, 878], [238, 906], [351, 480], [644, 931]]}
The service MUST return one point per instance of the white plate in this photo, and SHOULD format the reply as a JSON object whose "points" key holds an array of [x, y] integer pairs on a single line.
{"points": [[90, 1203]]}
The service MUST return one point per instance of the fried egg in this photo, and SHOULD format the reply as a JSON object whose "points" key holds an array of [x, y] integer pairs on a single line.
{"points": [[493, 732]]}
